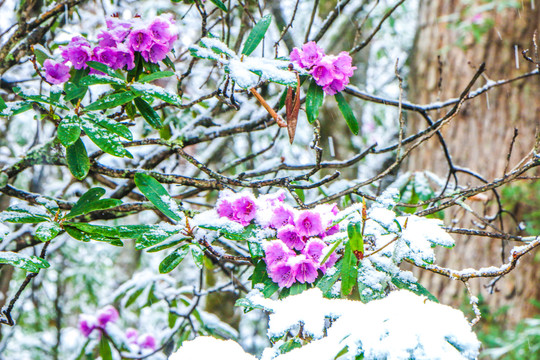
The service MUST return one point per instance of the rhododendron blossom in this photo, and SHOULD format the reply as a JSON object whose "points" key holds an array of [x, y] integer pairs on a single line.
{"points": [[88, 323], [55, 73], [329, 71]]}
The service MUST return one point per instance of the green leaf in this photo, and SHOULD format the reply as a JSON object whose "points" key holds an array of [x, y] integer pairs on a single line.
{"points": [[133, 296], [173, 260], [219, 4], [41, 54], [39, 99], [231, 233], [159, 244], [69, 130], [111, 101], [157, 195], [154, 76], [28, 263], [347, 112], [167, 61], [148, 113], [106, 140], [349, 271], [198, 255], [157, 92], [100, 79], [328, 280], [354, 231], [90, 201], [104, 69], [257, 34], [297, 288], [77, 159], [314, 100], [3, 105], [255, 249], [111, 125], [74, 92], [47, 231], [105, 349], [22, 216], [72, 229]]}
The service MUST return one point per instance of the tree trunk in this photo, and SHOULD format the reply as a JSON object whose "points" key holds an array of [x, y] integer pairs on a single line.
{"points": [[445, 57]]}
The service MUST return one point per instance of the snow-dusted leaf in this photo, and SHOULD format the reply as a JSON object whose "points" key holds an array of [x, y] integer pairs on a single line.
{"points": [[77, 159], [47, 231], [198, 255], [24, 215], [111, 125], [154, 76], [69, 130], [28, 263], [105, 139], [158, 195], [157, 92], [111, 101], [349, 271], [104, 69], [100, 79], [38, 98], [173, 259]]}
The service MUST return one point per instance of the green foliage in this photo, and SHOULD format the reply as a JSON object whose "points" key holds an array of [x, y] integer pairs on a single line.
{"points": [[347, 113], [256, 35], [523, 198]]}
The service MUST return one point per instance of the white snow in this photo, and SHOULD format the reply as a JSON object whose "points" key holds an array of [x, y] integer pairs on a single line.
{"points": [[206, 347]]}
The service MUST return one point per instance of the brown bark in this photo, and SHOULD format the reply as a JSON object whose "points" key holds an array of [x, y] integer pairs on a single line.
{"points": [[480, 136]]}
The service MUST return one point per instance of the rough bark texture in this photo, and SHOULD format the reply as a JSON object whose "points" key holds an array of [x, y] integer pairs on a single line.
{"points": [[480, 137]]}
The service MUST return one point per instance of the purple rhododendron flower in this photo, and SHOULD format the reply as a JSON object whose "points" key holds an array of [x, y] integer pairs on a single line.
{"points": [[244, 209], [140, 40], [55, 72], [106, 315], [305, 269], [314, 249], [309, 223], [87, 324], [281, 216], [161, 31], [105, 55], [147, 341], [78, 52], [124, 57], [323, 71], [335, 86], [282, 273], [277, 251], [309, 56], [224, 208], [155, 53], [289, 235]]}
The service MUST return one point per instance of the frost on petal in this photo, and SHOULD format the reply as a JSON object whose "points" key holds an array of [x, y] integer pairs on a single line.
{"points": [[87, 324], [106, 315], [277, 251], [281, 216], [289, 235], [245, 209], [308, 223], [282, 273], [314, 249], [305, 269]]}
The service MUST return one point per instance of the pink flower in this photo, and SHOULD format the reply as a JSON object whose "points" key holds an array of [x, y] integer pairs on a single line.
{"points": [[282, 273], [105, 55], [281, 216], [323, 71], [140, 40], [308, 223], [335, 86], [244, 209], [309, 56], [343, 65], [124, 58], [160, 30], [331, 261], [106, 315], [224, 208], [87, 324], [289, 235], [155, 53], [78, 52], [147, 341], [305, 269], [314, 249], [55, 72], [131, 335], [277, 251]]}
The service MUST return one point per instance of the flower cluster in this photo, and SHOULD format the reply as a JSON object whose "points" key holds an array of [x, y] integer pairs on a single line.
{"points": [[329, 71], [296, 253], [117, 47], [140, 342], [89, 323]]}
